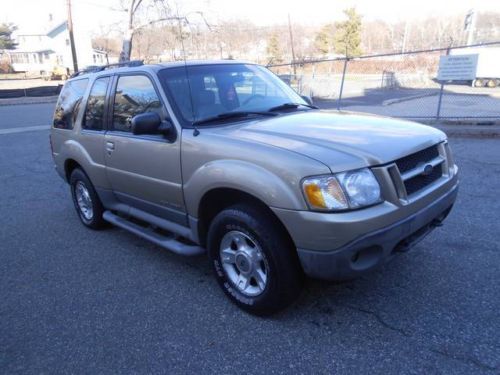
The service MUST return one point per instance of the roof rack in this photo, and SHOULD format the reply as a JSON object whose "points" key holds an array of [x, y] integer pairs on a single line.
{"points": [[100, 68]]}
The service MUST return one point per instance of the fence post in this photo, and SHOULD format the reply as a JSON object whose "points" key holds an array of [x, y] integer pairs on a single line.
{"points": [[438, 114], [311, 91], [342, 84]]}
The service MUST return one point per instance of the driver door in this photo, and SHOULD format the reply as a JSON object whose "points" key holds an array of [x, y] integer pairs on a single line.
{"points": [[144, 171]]}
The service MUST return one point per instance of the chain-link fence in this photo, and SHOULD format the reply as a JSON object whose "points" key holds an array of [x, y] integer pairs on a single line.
{"points": [[401, 84]]}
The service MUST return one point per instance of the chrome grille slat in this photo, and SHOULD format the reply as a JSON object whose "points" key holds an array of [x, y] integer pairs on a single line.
{"points": [[411, 161], [420, 168], [412, 169]]}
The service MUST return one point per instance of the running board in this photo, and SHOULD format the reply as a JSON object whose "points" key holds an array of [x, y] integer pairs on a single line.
{"points": [[166, 242]]}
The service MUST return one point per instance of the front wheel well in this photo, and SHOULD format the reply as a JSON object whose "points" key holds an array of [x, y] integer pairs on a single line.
{"points": [[216, 200], [69, 166]]}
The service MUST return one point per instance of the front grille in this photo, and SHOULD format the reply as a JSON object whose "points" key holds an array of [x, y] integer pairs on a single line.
{"points": [[411, 161], [414, 161], [417, 183]]}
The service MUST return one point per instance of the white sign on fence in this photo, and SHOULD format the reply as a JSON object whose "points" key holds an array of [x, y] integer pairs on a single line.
{"points": [[457, 67]]}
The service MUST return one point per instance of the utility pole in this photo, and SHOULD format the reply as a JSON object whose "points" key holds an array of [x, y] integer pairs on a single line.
{"points": [[405, 37], [470, 25], [71, 37], [291, 44]]}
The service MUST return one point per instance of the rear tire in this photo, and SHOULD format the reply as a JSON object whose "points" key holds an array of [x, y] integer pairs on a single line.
{"points": [[86, 201], [254, 260], [491, 83]]}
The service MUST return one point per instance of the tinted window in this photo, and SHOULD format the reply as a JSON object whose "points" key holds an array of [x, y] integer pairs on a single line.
{"points": [[68, 103], [94, 113], [134, 95]]}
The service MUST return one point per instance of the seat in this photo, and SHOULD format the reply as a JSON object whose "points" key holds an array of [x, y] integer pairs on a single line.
{"points": [[205, 105]]}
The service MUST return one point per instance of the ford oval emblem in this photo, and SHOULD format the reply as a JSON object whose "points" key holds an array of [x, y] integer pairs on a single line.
{"points": [[428, 168]]}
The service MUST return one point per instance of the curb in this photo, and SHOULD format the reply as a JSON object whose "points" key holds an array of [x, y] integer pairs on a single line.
{"points": [[28, 100], [470, 131], [407, 98]]}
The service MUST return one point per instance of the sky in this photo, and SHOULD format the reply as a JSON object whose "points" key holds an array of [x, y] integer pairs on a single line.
{"points": [[95, 15]]}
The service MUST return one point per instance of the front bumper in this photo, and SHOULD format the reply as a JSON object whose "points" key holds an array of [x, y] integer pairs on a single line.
{"points": [[376, 247]]}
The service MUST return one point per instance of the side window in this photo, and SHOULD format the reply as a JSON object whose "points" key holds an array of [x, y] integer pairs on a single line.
{"points": [[68, 103], [134, 95], [94, 113]]}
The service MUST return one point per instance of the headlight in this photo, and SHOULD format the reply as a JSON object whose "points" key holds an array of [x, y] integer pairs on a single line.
{"points": [[342, 191]]}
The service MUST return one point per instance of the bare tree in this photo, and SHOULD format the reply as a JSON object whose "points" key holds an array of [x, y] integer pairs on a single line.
{"points": [[137, 11]]}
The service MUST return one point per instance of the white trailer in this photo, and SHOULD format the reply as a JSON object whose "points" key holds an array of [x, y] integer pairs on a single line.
{"points": [[488, 65]]}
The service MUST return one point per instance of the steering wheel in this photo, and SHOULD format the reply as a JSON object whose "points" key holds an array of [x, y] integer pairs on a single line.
{"points": [[253, 97]]}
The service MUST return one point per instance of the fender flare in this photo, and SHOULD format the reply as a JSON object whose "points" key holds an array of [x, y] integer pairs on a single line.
{"points": [[246, 177]]}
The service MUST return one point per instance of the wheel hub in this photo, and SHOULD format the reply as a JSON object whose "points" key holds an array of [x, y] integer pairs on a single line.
{"points": [[83, 200], [244, 263]]}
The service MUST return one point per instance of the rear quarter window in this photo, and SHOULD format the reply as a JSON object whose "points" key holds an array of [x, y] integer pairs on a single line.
{"points": [[68, 103]]}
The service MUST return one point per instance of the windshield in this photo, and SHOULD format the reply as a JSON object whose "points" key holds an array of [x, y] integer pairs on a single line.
{"points": [[202, 92]]}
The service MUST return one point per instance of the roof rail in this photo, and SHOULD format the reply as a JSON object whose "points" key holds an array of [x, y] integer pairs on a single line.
{"points": [[100, 68]]}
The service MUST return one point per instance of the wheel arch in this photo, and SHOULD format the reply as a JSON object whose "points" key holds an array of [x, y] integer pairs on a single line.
{"points": [[216, 200], [69, 166]]}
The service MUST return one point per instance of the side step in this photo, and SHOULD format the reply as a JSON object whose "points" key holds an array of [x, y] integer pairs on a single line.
{"points": [[166, 242]]}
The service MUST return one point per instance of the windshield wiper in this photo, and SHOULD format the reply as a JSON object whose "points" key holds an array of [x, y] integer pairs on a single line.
{"points": [[231, 115], [290, 106]]}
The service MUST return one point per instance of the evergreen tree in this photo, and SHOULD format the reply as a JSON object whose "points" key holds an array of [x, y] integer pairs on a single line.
{"points": [[348, 34], [274, 49], [6, 41], [322, 40]]}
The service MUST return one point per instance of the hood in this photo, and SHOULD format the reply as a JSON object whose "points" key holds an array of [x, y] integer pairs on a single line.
{"points": [[341, 140]]}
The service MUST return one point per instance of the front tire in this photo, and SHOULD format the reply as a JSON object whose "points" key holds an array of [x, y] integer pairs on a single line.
{"points": [[478, 83], [86, 201], [254, 260]]}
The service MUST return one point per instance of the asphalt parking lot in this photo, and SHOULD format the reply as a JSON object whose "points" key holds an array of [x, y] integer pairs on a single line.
{"points": [[74, 300]]}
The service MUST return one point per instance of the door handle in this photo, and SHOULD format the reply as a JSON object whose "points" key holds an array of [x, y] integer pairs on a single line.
{"points": [[110, 146]]}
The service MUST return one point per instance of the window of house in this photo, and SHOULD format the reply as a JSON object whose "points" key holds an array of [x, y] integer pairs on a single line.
{"points": [[134, 95], [68, 104], [94, 113]]}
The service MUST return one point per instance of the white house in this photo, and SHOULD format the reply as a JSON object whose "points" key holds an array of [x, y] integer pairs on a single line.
{"points": [[42, 52]]}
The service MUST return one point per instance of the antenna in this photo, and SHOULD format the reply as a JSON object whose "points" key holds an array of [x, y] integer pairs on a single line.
{"points": [[196, 132]]}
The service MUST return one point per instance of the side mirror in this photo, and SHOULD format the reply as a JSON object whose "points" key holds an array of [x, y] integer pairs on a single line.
{"points": [[307, 99], [150, 123]]}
